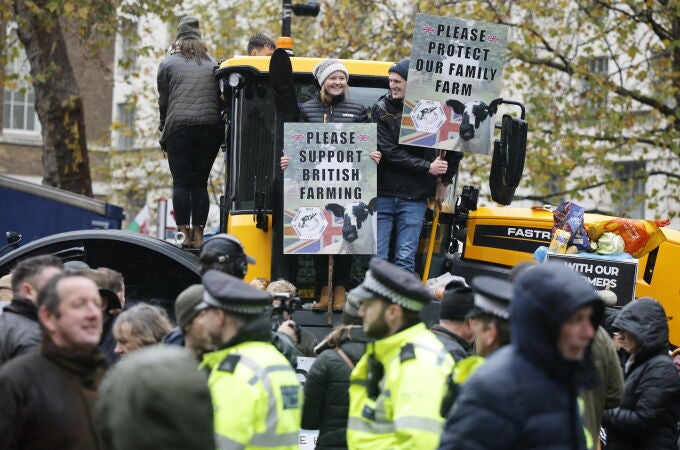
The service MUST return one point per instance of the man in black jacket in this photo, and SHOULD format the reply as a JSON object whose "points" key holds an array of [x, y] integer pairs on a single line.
{"points": [[406, 176], [47, 396], [19, 327], [454, 329]]}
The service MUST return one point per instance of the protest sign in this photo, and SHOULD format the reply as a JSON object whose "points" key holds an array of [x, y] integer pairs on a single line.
{"points": [[619, 275], [329, 189], [454, 83]]}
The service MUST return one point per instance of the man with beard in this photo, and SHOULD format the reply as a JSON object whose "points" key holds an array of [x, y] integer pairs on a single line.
{"points": [[397, 387], [47, 396]]}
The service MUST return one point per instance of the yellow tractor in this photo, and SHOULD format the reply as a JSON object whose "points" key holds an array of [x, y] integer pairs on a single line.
{"points": [[261, 94]]}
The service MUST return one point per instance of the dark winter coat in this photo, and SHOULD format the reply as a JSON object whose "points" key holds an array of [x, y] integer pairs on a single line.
{"points": [[326, 405], [338, 111], [47, 398], [457, 347], [648, 415], [187, 94], [525, 395], [403, 171], [19, 329]]}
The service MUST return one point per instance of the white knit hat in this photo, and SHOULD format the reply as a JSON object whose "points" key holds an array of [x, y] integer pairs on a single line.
{"points": [[326, 67]]}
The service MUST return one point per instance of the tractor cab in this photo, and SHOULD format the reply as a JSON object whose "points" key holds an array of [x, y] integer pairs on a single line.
{"points": [[252, 204], [251, 208]]}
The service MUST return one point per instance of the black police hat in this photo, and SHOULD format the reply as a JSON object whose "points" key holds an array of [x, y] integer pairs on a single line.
{"points": [[396, 285], [492, 296], [232, 294], [225, 245]]}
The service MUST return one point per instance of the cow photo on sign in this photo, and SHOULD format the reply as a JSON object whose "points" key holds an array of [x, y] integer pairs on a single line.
{"points": [[330, 189], [454, 84]]}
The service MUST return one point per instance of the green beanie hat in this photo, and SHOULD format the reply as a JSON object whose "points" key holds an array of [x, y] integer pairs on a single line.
{"points": [[188, 28]]}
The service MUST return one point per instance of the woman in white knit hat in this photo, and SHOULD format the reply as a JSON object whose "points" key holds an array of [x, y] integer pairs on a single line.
{"points": [[332, 105]]}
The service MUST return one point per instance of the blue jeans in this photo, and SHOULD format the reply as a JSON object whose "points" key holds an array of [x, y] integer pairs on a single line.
{"points": [[406, 218]]}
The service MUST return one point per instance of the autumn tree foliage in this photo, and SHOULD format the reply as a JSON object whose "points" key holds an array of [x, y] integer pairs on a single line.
{"points": [[601, 82], [600, 78]]}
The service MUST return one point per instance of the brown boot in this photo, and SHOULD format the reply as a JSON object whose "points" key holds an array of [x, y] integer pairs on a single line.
{"points": [[322, 304], [196, 236], [186, 231], [339, 298]]}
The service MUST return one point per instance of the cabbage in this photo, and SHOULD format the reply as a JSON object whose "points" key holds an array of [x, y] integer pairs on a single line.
{"points": [[610, 244]]}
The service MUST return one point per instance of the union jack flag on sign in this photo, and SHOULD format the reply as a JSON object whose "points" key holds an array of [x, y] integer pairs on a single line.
{"points": [[493, 38], [298, 137], [428, 29], [363, 138]]}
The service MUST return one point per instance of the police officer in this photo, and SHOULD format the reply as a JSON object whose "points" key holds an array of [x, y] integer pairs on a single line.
{"points": [[397, 386], [489, 317], [488, 320], [255, 392], [225, 253]]}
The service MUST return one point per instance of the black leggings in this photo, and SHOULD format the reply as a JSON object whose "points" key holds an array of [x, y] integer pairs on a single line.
{"points": [[191, 154]]}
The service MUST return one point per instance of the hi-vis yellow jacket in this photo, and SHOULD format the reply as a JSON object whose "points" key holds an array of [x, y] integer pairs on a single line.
{"points": [[256, 397], [404, 412]]}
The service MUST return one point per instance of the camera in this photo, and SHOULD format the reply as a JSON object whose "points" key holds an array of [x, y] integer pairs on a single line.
{"points": [[283, 306]]}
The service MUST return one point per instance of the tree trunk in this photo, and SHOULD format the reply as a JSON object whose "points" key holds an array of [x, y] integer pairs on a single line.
{"points": [[57, 97]]}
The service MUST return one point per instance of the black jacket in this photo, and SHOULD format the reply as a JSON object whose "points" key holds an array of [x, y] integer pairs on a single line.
{"points": [[326, 405], [338, 111], [19, 329], [403, 171], [524, 396], [457, 347], [648, 415], [187, 94], [47, 399]]}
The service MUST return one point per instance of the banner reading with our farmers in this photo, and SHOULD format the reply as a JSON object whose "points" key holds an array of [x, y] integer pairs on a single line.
{"points": [[329, 188], [454, 83]]}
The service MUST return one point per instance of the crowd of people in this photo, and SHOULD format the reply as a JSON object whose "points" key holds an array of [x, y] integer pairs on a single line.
{"points": [[536, 361], [533, 362]]}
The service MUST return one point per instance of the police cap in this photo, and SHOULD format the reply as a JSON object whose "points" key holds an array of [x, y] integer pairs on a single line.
{"points": [[396, 285], [492, 296], [232, 294]]}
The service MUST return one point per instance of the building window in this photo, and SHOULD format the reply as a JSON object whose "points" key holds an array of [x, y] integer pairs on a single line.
{"points": [[18, 104], [631, 203], [599, 65], [126, 126], [594, 96], [129, 40]]}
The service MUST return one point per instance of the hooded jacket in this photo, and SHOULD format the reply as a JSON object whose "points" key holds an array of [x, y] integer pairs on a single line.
{"points": [[525, 395], [326, 404], [648, 415], [403, 171]]}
